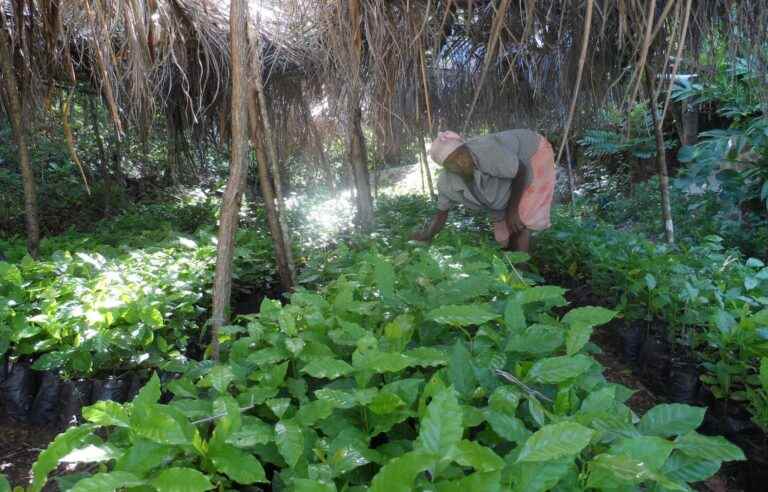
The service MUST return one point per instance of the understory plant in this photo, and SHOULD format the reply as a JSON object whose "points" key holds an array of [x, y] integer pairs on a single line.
{"points": [[436, 368]]}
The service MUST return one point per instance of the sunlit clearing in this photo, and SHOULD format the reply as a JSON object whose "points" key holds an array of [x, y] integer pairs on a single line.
{"points": [[325, 218]]}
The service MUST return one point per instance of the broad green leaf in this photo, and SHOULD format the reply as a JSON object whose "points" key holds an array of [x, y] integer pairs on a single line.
{"points": [[708, 448], [178, 479], [150, 393], [380, 362], [384, 274], [685, 468], [5, 486], [399, 473], [668, 420], [252, 432], [230, 418], [462, 315], [238, 465], [427, 357], [764, 373], [459, 373], [107, 412], [108, 482], [555, 441], [558, 369], [608, 471], [602, 400], [651, 450], [327, 367], [514, 317], [441, 428], [306, 485], [279, 406], [504, 399], [482, 459], [311, 412], [143, 456], [290, 441], [536, 339], [507, 426], [162, 424], [536, 409], [542, 293], [578, 336], [61, 446], [385, 402], [220, 377], [589, 316], [479, 482], [540, 476]]}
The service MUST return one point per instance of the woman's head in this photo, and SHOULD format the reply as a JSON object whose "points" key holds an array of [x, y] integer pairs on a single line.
{"points": [[449, 151]]}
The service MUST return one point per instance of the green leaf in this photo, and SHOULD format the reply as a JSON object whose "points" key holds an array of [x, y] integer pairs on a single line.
{"points": [[48, 460], [668, 420], [514, 317], [5, 486], [536, 339], [220, 377], [459, 373], [150, 393], [181, 480], [685, 468], [143, 456], [540, 476], [384, 275], [651, 450], [385, 402], [162, 424], [441, 427], [253, 432], [482, 459], [507, 426], [399, 473], [764, 373], [555, 441], [314, 411], [462, 315], [476, 482], [380, 362], [708, 448], [107, 413], [290, 441], [558, 369], [542, 293], [578, 336], [504, 399], [106, 482], [238, 465], [327, 367], [306, 485], [589, 316], [607, 471]]}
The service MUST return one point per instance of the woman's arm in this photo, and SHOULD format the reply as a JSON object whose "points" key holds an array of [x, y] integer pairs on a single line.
{"points": [[437, 224]]}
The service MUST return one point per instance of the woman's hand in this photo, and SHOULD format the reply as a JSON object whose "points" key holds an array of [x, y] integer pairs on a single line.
{"points": [[422, 236]]}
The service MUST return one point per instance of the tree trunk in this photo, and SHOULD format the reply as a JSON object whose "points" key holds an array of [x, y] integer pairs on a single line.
{"points": [[427, 172], [661, 162], [690, 121], [275, 165], [358, 159], [571, 181], [103, 168], [284, 268], [238, 171], [15, 114]]}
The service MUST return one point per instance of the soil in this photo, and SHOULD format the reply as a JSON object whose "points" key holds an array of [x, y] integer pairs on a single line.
{"points": [[19, 446]]}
